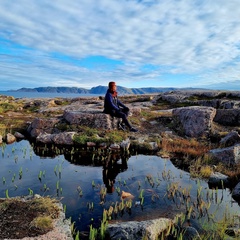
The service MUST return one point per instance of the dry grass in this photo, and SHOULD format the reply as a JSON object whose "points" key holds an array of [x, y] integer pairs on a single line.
{"points": [[191, 148], [42, 222]]}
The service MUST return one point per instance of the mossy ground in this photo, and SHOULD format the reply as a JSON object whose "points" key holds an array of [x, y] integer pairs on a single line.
{"points": [[20, 218]]}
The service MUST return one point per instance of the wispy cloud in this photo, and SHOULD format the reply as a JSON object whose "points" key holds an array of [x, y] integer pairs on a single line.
{"points": [[43, 42]]}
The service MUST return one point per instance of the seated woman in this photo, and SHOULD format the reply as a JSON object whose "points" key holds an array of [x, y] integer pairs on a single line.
{"points": [[114, 107]]}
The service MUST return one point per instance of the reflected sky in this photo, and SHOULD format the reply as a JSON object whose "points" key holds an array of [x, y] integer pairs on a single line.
{"points": [[78, 185]]}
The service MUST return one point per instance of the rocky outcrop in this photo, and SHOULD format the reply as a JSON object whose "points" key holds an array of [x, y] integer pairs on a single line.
{"points": [[64, 138], [150, 229], [194, 121], [89, 119], [228, 156], [230, 139], [42, 125], [228, 117]]}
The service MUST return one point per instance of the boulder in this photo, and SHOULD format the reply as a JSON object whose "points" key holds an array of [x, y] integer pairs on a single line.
{"points": [[93, 120], [227, 117], [194, 121], [149, 229], [44, 138], [228, 156], [230, 139], [65, 138], [10, 138], [42, 125]]}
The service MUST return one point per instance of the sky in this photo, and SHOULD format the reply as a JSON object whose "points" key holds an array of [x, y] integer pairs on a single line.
{"points": [[136, 43]]}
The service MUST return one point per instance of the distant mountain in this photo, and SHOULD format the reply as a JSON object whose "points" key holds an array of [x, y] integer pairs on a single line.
{"points": [[98, 90]]}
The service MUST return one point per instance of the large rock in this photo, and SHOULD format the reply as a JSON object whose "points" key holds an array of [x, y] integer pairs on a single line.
{"points": [[228, 117], [150, 229], [93, 120], [228, 156], [65, 138], [230, 139], [42, 125], [45, 138], [194, 121]]}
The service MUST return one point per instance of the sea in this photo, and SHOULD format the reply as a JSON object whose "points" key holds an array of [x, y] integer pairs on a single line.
{"points": [[45, 94]]}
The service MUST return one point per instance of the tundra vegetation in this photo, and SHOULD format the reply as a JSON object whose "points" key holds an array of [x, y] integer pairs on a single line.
{"points": [[189, 154]]}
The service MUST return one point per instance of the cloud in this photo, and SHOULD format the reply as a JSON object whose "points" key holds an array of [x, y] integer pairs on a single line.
{"points": [[180, 37]]}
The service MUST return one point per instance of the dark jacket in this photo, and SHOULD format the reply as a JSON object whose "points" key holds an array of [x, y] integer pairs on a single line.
{"points": [[112, 104]]}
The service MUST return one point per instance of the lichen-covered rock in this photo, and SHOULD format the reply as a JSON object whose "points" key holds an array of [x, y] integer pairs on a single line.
{"points": [[228, 117], [65, 138], [45, 138], [194, 121], [42, 125], [93, 120], [230, 139], [150, 229], [228, 156]]}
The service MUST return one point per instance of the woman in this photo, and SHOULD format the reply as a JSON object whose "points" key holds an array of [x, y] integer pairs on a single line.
{"points": [[114, 107]]}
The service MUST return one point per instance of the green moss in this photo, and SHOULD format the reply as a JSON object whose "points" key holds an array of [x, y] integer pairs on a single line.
{"points": [[115, 136]]}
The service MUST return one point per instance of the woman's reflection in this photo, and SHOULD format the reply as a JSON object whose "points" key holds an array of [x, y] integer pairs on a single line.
{"points": [[112, 168]]}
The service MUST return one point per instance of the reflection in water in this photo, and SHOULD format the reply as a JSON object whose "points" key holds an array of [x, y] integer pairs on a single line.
{"points": [[113, 162], [68, 173], [111, 168]]}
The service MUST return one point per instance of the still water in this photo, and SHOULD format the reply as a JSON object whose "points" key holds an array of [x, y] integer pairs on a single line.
{"points": [[77, 180], [45, 94]]}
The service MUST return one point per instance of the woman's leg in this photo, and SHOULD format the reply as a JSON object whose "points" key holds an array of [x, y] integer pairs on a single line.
{"points": [[123, 116]]}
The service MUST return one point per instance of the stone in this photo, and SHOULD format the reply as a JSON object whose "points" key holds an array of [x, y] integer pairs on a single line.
{"points": [[64, 138], [148, 230], [44, 138], [228, 156], [19, 135], [93, 120], [227, 117], [42, 125], [125, 144], [10, 138], [194, 121], [230, 139]]}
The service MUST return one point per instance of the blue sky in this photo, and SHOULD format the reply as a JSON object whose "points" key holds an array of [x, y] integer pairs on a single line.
{"points": [[137, 43]]}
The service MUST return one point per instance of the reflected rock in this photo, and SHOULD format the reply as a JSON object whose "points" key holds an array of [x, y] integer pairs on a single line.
{"points": [[218, 180], [236, 192]]}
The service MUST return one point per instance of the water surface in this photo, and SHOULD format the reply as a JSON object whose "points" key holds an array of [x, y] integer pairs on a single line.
{"points": [[77, 179]]}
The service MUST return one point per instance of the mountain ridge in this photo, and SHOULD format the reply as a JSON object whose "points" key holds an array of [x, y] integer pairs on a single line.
{"points": [[101, 90]]}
